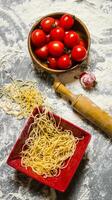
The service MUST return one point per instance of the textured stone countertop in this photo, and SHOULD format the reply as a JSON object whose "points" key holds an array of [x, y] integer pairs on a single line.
{"points": [[93, 179]]}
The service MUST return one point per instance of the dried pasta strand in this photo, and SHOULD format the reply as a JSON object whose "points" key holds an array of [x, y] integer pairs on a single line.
{"points": [[20, 97], [48, 146]]}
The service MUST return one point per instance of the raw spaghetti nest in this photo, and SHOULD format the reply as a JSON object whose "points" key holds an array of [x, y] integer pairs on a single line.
{"points": [[20, 97], [48, 146]]}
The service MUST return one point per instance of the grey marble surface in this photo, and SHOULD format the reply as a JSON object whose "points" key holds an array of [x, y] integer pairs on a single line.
{"points": [[93, 179]]}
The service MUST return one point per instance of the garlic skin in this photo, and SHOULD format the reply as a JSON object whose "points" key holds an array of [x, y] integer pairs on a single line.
{"points": [[88, 80]]}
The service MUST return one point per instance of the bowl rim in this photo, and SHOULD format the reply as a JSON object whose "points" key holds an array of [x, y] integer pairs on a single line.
{"points": [[37, 61]]}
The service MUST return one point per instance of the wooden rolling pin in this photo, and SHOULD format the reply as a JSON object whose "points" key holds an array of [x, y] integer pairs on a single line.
{"points": [[86, 108]]}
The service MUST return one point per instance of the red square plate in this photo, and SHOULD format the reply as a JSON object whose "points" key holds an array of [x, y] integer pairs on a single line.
{"points": [[62, 181]]}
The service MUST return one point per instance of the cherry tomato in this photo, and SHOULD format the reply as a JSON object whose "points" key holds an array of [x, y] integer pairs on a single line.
{"points": [[57, 22], [66, 32], [66, 21], [52, 62], [64, 62], [82, 43], [47, 24], [57, 34], [38, 37], [78, 53], [56, 48], [48, 38], [42, 52], [71, 39]]}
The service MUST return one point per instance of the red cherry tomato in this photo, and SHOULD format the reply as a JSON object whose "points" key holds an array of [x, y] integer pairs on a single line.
{"points": [[57, 22], [66, 21], [42, 52], [78, 53], [57, 34], [71, 39], [82, 43], [66, 32], [47, 24], [56, 48], [64, 62], [48, 38], [38, 37], [52, 62]]}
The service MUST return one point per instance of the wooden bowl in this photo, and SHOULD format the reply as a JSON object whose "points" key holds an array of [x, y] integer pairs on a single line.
{"points": [[79, 27]]}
